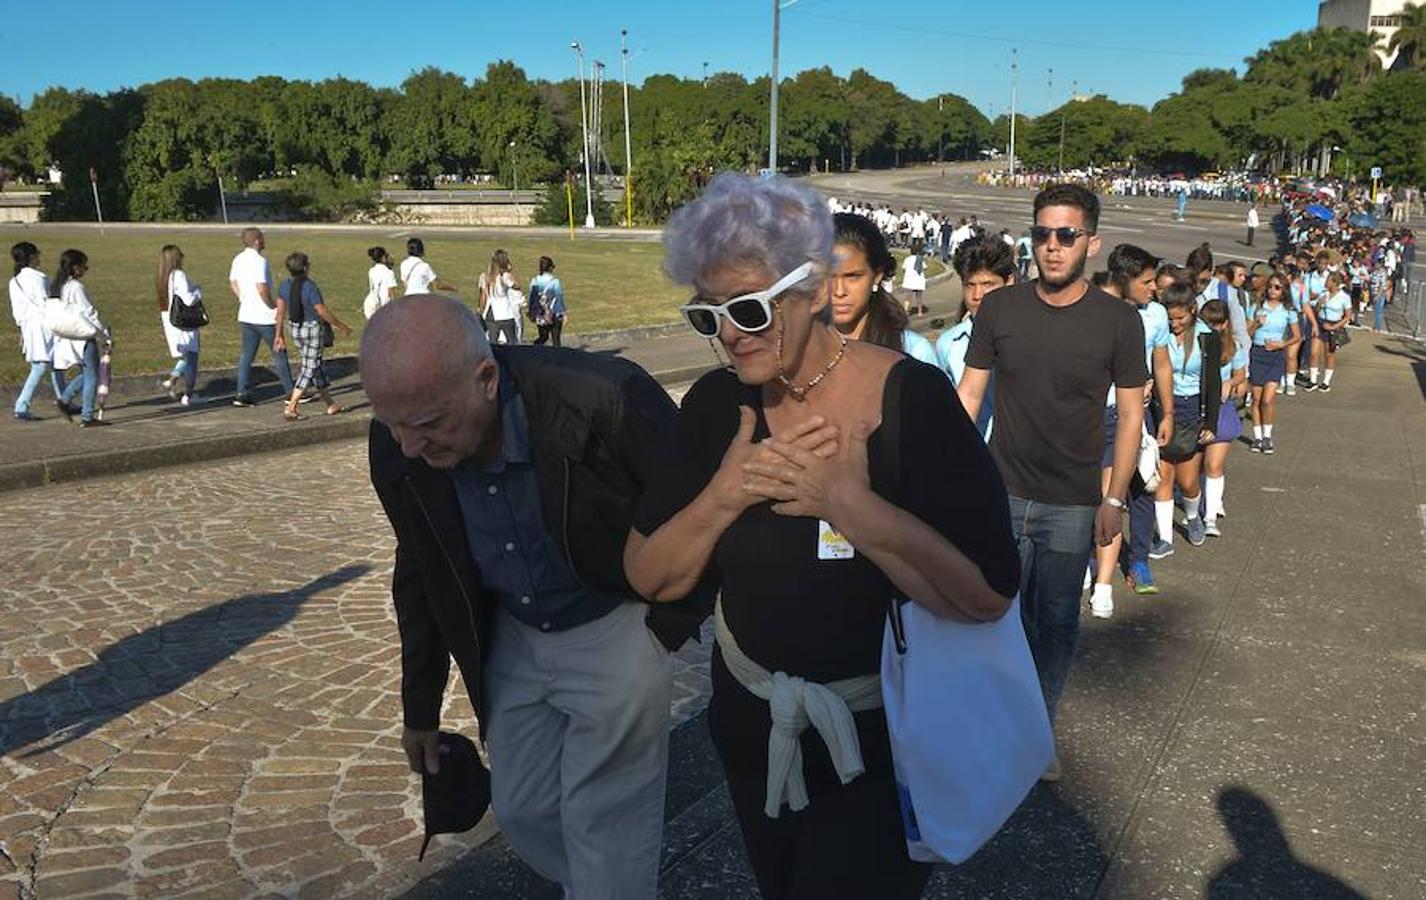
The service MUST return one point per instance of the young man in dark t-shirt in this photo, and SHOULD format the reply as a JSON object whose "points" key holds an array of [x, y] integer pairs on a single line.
{"points": [[1056, 345]]}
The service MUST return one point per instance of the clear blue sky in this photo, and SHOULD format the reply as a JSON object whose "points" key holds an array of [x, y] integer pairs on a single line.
{"points": [[1133, 51]]}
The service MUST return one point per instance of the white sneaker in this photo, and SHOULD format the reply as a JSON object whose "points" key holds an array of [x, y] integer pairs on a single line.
{"points": [[1101, 602], [191, 400], [1280, 388]]}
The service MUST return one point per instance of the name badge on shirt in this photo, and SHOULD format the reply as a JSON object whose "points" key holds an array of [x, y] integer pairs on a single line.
{"points": [[831, 544]]}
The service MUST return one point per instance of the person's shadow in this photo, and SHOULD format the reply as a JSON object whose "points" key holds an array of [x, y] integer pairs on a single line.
{"points": [[154, 662], [1266, 866]]}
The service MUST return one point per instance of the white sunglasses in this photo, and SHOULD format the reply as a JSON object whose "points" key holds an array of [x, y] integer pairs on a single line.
{"points": [[748, 312]]}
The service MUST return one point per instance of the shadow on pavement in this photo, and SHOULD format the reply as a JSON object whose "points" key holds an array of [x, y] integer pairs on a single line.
{"points": [[154, 662], [1266, 867]]}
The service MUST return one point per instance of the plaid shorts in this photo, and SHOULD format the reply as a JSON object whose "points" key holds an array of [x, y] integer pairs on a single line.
{"points": [[308, 338]]}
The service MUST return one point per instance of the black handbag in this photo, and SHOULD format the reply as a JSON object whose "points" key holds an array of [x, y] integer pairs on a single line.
{"points": [[185, 317], [329, 337], [1185, 441]]}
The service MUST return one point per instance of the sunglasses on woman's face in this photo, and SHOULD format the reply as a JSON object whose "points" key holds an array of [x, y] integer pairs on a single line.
{"points": [[748, 312]]}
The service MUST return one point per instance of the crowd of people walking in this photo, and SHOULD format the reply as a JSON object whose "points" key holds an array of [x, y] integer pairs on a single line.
{"points": [[562, 526], [60, 328]]}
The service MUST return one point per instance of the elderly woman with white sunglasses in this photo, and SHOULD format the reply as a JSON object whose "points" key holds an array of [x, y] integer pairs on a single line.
{"points": [[814, 481]]}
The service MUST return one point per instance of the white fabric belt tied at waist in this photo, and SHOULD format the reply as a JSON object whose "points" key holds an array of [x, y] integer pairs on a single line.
{"points": [[795, 704]]}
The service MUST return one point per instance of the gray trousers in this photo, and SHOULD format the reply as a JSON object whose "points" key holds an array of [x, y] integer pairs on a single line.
{"points": [[577, 726]]}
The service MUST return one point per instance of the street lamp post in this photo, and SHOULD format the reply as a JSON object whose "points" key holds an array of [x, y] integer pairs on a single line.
{"points": [[628, 152], [515, 182], [772, 106], [1014, 83], [584, 125]]}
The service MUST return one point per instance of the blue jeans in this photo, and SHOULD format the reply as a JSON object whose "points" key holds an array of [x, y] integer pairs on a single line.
{"points": [[88, 381], [1141, 505], [27, 393], [187, 366], [1379, 312], [1055, 544], [252, 336]]}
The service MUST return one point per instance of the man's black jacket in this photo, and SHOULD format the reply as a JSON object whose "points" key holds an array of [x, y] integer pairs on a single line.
{"points": [[597, 428]]}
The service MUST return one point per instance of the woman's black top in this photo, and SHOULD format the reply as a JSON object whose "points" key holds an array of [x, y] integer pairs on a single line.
{"points": [[822, 619]]}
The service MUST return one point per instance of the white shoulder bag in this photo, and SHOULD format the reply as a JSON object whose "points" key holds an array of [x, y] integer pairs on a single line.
{"points": [[969, 732], [66, 319]]}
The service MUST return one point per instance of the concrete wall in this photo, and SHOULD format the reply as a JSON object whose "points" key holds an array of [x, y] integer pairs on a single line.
{"points": [[22, 206]]}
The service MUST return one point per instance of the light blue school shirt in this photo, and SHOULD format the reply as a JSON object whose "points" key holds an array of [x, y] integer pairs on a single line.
{"points": [[919, 348], [951, 349], [1274, 323], [1187, 364], [1156, 334], [1336, 307]]}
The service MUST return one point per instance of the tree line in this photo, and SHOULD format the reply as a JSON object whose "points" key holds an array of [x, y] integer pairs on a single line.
{"points": [[1315, 100]]}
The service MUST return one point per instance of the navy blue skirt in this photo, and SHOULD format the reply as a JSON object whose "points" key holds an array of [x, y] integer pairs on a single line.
{"points": [[1266, 366]]}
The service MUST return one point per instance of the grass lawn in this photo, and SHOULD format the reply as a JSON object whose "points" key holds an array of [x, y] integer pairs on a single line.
{"points": [[608, 284]]}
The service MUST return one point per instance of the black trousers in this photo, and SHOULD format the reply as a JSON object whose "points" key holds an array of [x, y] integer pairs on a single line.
{"points": [[848, 844], [551, 332], [1250, 235]]}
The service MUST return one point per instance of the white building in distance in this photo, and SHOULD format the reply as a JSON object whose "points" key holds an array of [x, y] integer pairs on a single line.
{"points": [[1380, 16]]}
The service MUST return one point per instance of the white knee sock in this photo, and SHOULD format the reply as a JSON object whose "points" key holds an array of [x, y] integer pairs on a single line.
{"points": [[1213, 497], [1268, 430], [1163, 517], [1257, 432], [1327, 375], [1190, 507], [1312, 374]]}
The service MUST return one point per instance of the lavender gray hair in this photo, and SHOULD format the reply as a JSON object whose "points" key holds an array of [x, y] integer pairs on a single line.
{"points": [[745, 220]]}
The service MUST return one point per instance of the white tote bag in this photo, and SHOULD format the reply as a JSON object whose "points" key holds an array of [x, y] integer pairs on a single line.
{"points": [[1148, 461], [969, 733], [66, 319]]}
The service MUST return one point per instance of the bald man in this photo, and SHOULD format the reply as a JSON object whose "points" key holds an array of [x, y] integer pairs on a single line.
{"points": [[261, 314], [510, 476]]}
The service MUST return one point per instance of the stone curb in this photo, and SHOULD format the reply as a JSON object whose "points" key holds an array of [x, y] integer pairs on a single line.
{"points": [[41, 472]]}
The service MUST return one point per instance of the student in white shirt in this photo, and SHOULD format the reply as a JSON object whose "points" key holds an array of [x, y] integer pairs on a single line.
{"points": [[1336, 310], [380, 281], [499, 301], [174, 287], [913, 279], [417, 274], [260, 315], [67, 286], [28, 290]]}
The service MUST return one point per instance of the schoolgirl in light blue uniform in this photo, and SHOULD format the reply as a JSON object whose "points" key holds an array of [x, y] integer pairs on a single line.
{"points": [[1274, 327]]}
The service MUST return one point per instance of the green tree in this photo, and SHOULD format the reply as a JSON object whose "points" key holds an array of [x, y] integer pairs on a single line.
{"points": [[11, 119], [1321, 62], [1386, 122], [813, 124], [1409, 40], [432, 127], [1096, 132], [509, 110]]}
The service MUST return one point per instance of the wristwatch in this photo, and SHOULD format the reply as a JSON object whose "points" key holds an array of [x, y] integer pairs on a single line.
{"points": [[1115, 502]]}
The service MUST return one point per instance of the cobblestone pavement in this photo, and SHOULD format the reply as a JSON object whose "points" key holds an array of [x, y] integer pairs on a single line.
{"points": [[199, 687]]}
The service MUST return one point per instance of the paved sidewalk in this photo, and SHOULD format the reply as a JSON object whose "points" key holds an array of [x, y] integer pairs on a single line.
{"points": [[199, 692]]}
